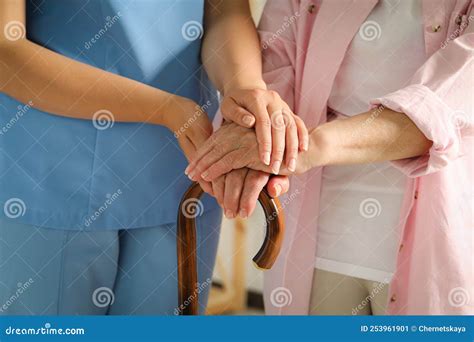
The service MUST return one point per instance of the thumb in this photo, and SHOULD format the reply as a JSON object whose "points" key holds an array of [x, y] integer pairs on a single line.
{"points": [[200, 131], [278, 185], [187, 147], [232, 111]]}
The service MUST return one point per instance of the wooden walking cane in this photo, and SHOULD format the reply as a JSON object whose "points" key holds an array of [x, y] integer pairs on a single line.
{"points": [[189, 209]]}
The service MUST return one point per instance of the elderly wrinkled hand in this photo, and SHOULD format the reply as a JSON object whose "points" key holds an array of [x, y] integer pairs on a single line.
{"points": [[232, 147], [237, 189], [237, 162], [229, 148]]}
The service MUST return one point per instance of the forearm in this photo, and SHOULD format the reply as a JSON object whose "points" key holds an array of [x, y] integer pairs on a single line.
{"points": [[378, 135], [62, 86], [231, 48]]}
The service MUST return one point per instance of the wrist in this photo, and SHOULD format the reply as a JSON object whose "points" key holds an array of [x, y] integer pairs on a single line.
{"points": [[167, 105], [318, 148], [156, 106], [244, 84]]}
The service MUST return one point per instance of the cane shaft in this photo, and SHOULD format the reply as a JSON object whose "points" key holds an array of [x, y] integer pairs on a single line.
{"points": [[186, 245]]}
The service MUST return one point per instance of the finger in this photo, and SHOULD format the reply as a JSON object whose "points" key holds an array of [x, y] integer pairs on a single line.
{"points": [[218, 187], [254, 183], [291, 148], [187, 146], [278, 136], [236, 113], [200, 129], [213, 156], [229, 162], [278, 185], [201, 152], [303, 135], [234, 182], [263, 128], [206, 187], [207, 146], [190, 148]]}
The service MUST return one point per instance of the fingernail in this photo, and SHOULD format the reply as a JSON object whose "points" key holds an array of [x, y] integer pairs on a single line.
{"points": [[247, 120], [292, 165], [186, 170], [243, 213], [205, 176], [229, 214], [276, 167], [305, 146], [266, 158], [278, 189], [191, 175]]}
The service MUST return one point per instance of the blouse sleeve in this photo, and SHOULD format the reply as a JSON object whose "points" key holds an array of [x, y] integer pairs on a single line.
{"points": [[439, 100]]}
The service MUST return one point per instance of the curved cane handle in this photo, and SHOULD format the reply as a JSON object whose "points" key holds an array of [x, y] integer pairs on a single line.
{"points": [[267, 254], [189, 208]]}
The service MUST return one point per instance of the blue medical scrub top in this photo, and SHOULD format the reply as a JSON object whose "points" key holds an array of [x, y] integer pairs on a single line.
{"points": [[66, 173]]}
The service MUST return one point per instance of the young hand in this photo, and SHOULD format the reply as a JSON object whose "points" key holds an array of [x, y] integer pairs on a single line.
{"points": [[189, 123], [279, 132]]}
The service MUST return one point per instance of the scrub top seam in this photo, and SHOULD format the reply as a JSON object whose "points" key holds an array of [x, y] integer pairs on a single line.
{"points": [[94, 157], [61, 270], [91, 182]]}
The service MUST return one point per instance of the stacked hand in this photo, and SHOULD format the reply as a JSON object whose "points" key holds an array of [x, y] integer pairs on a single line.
{"points": [[260, 139]]}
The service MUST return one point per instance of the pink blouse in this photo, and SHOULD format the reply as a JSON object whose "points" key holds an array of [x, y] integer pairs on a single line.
{"points": [[304, 43]]}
